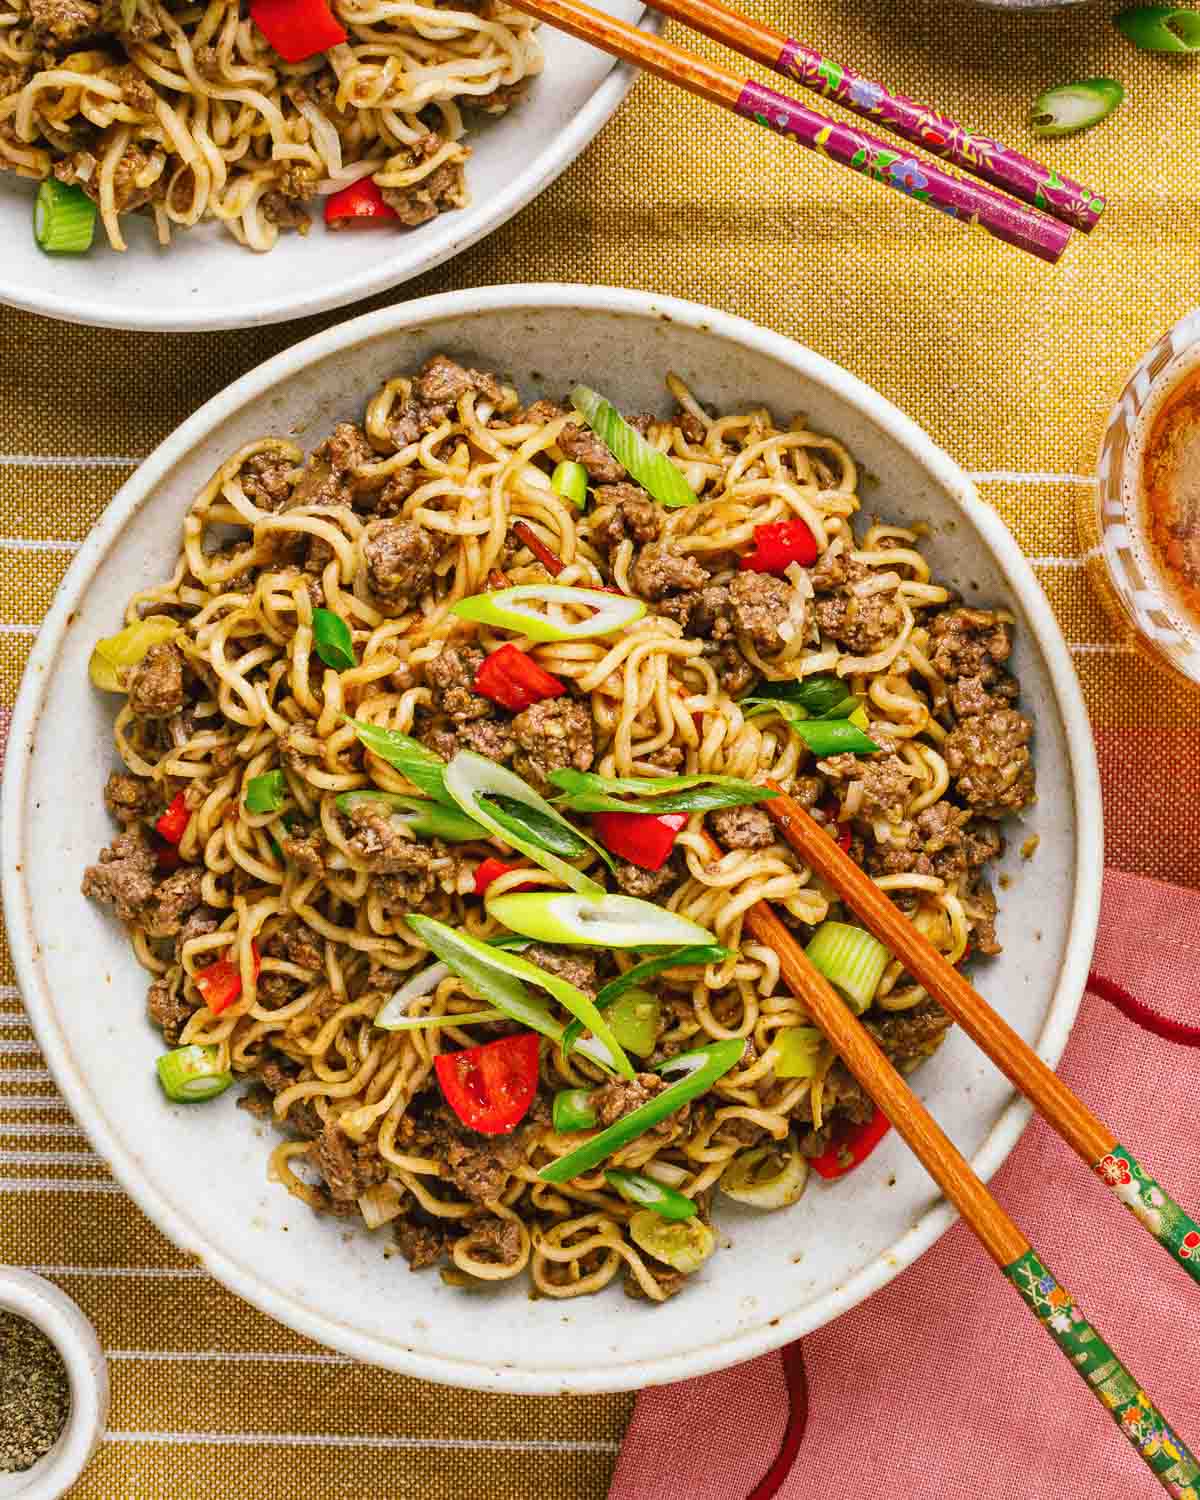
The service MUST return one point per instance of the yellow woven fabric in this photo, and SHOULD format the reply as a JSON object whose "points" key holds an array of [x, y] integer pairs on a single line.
{"points": [[1009, 364]]}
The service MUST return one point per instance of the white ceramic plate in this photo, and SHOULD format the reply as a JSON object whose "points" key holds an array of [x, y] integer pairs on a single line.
{"points": [[204, 279], [200, 1172]]}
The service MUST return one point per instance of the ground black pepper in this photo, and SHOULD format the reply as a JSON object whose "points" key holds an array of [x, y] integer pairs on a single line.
{"points": [[35, 1394]]}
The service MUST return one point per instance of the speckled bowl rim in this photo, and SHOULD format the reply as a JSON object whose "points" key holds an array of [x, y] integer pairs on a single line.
{"points": [[427, 313]]}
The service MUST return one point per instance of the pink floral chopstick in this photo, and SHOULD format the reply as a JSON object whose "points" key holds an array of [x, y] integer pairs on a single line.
{"points": [[928, 128]]}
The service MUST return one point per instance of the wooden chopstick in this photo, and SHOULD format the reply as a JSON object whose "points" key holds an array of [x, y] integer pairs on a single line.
{"points": [[966, 202], [927, 128], [1092, 1358], [1087, 1135]]}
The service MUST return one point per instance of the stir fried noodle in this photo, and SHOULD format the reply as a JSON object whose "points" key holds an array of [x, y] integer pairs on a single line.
{"points": [[389, 525], [188, 113]]}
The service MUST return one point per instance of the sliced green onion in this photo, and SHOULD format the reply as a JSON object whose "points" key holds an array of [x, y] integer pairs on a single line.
{"points": [[851, 959], [820, 697], [190, 1075], [635, 1020], [684, 1245], [439, 1023], [551, 834], [331, 636], [594, 922], [507, 609], [644, 1192], [266, 793], [394, 1015], [699, 1070], [64, 218], [653, 470], [501, 978], [125, 649], [798, 1051], [828, 736], [1075, 106], [679, 958], [768, 1177], [573, 1110], [1160, 28], [570, 480], [422, 816], [584, 791], [472, 780], [418, 763]]}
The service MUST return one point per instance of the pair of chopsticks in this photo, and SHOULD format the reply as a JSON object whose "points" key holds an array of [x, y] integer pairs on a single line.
{"points": [[1067, 205], [1058, 1312]]}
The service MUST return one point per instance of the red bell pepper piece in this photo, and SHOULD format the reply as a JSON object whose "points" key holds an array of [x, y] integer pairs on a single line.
{"points": [[780, 544], [167, 857], [173, 823], [515, 681], [491, 869], [644, 839], [490, 1088], [221, 983], [851, 1145], [297, 28], [361, 202], [842, 836]]}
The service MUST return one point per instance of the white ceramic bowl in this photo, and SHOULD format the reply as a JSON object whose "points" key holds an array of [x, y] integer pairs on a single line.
{"points": [[204, 279], [60, 1319], [200, 1172]]}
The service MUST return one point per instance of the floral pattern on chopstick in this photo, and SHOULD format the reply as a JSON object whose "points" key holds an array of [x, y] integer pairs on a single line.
{"points": [[1132, 1409], [955, 197], [1153, 1207], [941, 136]]}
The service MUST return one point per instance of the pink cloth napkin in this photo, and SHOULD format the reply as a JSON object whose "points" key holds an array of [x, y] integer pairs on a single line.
{"points": [[942, 1386]]}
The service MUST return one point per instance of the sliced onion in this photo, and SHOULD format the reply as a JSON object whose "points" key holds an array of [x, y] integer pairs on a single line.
{"points": [[666, 1171], [767, 1177], [381, 1203]]}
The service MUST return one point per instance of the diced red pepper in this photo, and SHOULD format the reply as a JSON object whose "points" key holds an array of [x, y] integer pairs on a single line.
{"points": [[778, 545], [490, 1088], [173, 823], [515, 681], [644, 839], [551, 561], [297, 28], [361, 202], [167, 857], [221, 983], [851, 1145], [842, 836], [492, 869]]}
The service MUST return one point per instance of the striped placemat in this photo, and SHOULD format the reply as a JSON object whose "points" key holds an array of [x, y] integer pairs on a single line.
{"points": [[1009, 365]]}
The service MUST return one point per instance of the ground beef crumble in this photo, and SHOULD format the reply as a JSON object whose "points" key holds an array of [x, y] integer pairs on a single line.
{"points": [[554, 735], [988, 759], [613, 1101], [743, 828]]}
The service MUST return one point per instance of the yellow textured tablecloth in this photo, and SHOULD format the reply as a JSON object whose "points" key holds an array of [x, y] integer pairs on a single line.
{"points": [[1010, 365]]}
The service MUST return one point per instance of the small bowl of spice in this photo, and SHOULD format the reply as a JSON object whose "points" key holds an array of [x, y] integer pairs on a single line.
{"points": [[53, 1388], [1141, 528]]}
